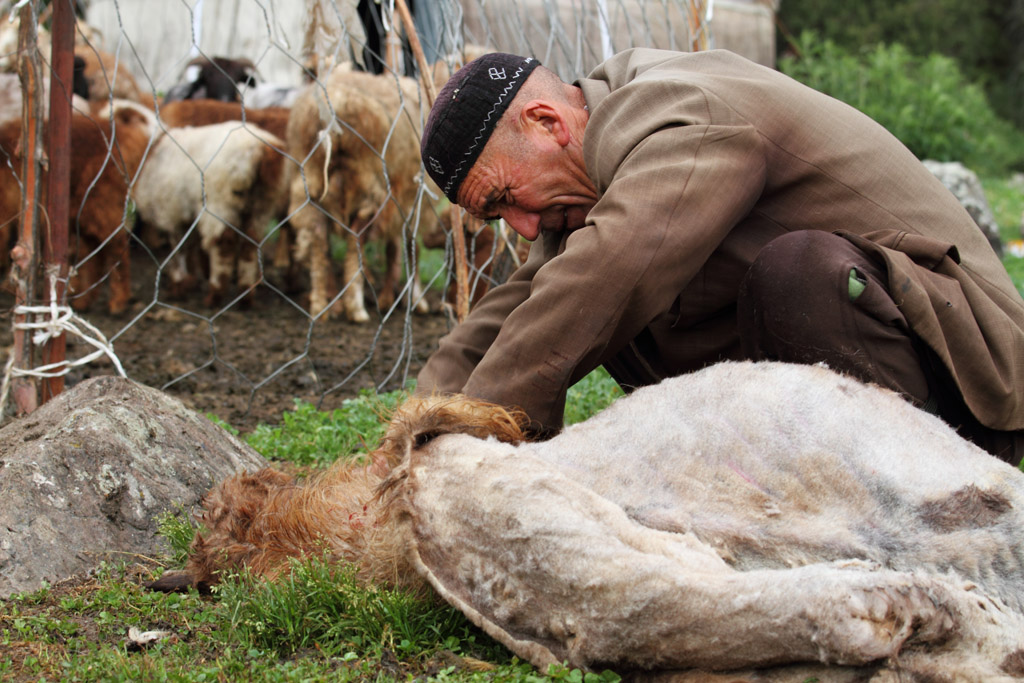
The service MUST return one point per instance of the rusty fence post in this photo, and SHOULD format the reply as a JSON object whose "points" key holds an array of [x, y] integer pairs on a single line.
{"points": [[42, 235], [455, 213], [25, 255], [58, 147]]}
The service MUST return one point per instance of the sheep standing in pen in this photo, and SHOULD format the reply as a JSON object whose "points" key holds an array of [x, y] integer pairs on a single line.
{"points": [[774, 521], [273, 119], [228, 180], [106, 152], [360, 158]]}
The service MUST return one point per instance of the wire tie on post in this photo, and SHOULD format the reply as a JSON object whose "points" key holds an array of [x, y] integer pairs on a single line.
{"points": [[50, 321]]}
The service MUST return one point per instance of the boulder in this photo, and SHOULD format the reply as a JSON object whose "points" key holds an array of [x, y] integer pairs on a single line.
{"points": [[966, 187], [85, 477]]}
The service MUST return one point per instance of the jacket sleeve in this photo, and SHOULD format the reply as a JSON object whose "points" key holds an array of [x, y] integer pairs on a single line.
{"points": [[459, 352]]}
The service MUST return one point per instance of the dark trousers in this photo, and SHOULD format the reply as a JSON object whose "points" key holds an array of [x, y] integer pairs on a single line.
{"points": [[797, 304]]}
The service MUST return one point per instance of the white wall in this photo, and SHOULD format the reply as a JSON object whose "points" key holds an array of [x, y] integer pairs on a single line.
{"points": [[155, 37]]}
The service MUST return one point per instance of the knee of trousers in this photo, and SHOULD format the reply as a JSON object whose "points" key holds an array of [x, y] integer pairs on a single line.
{"points": [[796, 284]]}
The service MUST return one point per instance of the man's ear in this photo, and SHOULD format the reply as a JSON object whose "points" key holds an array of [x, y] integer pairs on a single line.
{"points": [[543, 115]]}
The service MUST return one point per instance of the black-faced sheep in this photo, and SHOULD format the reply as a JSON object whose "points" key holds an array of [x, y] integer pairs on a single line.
{"points": [[216, 78], [107, 76]]}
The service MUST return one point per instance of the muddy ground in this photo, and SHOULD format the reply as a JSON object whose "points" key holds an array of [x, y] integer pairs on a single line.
{"points": [[248, 365]]}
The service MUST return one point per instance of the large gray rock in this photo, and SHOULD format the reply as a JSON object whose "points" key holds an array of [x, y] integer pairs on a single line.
{"points": [[966, 187], [83, 478]]}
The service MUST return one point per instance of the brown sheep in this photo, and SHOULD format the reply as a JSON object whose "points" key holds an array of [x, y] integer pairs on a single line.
{"points": [[105, 156], [366, 189], [776, 521], [204, 112]]}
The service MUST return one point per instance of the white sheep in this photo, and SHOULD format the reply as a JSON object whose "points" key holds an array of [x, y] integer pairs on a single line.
{"points": [[227, 180]]}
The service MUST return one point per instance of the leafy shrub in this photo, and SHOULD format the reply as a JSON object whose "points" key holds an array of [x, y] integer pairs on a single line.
{"points": [[924, 101], [986, 37]]}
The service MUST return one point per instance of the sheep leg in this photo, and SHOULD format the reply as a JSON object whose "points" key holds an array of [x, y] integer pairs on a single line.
{"points": [[218, 242], [180, 280], [311, 248], [117, 262], [392, 273], [352, 297], [283, 247], [84, 282], [557, 572], [247, 262], [420, 304]]}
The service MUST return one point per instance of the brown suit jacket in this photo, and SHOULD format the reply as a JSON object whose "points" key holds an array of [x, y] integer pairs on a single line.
{"points": [[700, 160]]}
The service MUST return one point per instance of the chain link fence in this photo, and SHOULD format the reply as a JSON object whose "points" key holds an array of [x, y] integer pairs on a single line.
{"points": [[247, 220]]}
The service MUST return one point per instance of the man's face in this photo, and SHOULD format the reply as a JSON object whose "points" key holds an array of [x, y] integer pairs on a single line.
{"points": [[531, 192]]}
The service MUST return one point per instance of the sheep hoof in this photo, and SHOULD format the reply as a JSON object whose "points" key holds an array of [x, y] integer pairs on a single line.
{"points": [[358, 316], [880, 619]]}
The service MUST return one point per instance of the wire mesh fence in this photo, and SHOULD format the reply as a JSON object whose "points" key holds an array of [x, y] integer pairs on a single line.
{"points": [[248, 222]]}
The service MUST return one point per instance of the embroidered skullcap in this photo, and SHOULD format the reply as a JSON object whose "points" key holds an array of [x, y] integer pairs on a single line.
{"points": [[465, 113]]}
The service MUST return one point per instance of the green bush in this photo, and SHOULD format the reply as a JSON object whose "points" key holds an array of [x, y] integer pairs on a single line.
{"points": [[924, 101], [985, 37]]}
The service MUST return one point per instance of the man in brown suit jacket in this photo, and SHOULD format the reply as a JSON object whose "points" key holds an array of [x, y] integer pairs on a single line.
{"points": [[694, 208]]}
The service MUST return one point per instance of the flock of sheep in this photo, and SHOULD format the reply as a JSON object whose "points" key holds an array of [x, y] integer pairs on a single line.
{"points": [[239, 166]]}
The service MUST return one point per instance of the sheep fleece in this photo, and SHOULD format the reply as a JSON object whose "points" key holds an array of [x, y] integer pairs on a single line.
{"points": [[747, 515]]}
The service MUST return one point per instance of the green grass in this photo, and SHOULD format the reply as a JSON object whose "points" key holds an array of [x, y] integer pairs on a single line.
{"points": [[307, 436]]}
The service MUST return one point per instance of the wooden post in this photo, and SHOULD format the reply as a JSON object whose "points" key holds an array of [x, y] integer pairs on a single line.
{"points": [[698, 31], [55, 242], [455, 213], [24, 256]]}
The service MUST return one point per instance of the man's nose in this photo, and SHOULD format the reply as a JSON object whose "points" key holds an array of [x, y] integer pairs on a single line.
{"points": [[526, 223]]}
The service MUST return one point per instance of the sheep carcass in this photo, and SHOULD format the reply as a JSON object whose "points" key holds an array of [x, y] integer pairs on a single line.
{"points": [[227, 179], [106, 152], [359, 150], [746, 516]]}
